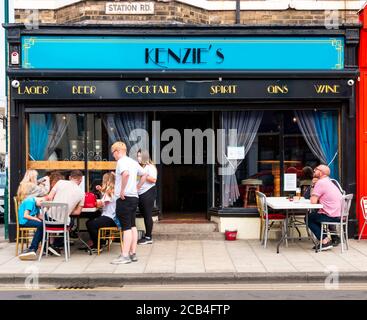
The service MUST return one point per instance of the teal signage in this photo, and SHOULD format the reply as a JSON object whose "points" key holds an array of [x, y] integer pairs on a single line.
{"points": [[183, 53]]}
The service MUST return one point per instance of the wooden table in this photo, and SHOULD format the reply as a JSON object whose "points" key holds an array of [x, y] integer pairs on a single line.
{"points": [[275, 170], [282, 203]]}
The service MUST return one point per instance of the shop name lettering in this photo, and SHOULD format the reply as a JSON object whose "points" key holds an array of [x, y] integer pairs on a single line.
{"points": [[325, 88], [184, 56], [151, 89]]}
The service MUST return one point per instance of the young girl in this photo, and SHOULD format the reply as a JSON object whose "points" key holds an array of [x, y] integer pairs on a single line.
{"points": [[108, 204]]}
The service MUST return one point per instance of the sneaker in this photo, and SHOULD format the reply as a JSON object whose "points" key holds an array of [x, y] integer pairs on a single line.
{"points": [[325, 246], [28, 254], [54, 251], [145, 241], [95, 250], [133, 257], [121, 260]]}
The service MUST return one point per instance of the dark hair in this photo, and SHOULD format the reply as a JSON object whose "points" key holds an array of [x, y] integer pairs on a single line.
{"points": [[55, 176], [307, 172], [76, 174]]}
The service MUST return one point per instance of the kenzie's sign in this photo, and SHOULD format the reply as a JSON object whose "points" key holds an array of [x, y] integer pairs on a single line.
{"points": [[130, 8]]}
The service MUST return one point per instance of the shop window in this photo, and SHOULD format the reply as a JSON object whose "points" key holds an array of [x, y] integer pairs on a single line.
{"points": [[274, 143], [66, 142]]}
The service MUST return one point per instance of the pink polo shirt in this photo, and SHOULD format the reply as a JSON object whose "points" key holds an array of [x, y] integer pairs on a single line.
{"points": [[329, 196]]}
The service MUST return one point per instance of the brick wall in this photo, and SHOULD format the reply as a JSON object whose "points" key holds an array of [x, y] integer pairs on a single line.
{"points": [[174, 12]]}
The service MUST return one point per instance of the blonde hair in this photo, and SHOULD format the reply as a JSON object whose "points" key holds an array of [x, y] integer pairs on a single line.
{"points": [[24, 190], [117, 146], [145, 158], [30, 176], [108, 183]]}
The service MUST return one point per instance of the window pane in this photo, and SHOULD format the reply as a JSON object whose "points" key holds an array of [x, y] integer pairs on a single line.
{"points": [[56, 137]]}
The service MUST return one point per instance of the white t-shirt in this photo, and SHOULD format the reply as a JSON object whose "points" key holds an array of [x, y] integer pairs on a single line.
{"points": [[109, 209], [69, 192], [151, 170], [135, 170]]}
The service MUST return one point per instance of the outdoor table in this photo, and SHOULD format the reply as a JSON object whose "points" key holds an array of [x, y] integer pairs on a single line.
{"points": [[283, 203], [78, 230]]}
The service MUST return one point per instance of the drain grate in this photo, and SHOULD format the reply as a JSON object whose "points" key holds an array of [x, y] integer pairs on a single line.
{"points": [[76, 287]]}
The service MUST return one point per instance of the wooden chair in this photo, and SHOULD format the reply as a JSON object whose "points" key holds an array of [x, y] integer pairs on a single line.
{"points": [[109, 234], [24, 234]]}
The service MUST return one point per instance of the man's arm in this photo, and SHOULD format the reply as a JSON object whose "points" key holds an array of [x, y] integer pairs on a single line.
{"points": [[77, 211], [124, 179], [314, 199], [52, 193]]}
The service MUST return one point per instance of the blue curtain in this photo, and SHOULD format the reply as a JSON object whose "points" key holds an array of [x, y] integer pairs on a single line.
{"points": [[39, 126], [326, 123]]}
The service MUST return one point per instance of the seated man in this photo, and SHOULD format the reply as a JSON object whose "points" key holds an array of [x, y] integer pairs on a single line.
{"points": [[68, 191], [29, 216], [326, 193]]}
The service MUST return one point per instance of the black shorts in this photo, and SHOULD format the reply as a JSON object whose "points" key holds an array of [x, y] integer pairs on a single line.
{"points": [[126, 212]]}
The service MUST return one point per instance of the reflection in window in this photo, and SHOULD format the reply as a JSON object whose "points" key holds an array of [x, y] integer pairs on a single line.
{"points": [[56, 137], [309, 138]]}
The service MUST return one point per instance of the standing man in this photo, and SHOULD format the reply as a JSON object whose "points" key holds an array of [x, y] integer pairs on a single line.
{"points": [[325, 192], [126, 193]]}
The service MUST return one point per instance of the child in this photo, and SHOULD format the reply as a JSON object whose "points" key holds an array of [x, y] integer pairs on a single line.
{"points": [[29, 216], [108, 204]]}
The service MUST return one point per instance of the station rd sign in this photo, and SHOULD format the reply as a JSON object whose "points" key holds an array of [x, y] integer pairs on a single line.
{"points": [[130, 7]]}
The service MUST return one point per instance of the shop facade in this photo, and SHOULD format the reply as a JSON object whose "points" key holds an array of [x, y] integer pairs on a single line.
{"points": [[224, 111]]}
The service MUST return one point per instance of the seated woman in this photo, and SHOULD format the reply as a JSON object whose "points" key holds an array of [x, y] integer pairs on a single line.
{"points": [[108, 217], [31, 187], [29, 216]]}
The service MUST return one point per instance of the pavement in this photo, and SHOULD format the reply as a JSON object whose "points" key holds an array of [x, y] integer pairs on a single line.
{"points": [[192, 261]]}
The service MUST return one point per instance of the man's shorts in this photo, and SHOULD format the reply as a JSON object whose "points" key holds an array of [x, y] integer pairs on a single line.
{"points": [[126, 212]]}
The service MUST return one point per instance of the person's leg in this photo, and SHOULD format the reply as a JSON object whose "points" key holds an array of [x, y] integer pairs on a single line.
{"points": [[123, 213], [134, 230], [314, 224], [37, 238], [92, 228], [147, 204]]}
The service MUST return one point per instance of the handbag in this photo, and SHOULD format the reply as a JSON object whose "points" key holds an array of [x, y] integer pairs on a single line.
{"points": [[90, 200]]}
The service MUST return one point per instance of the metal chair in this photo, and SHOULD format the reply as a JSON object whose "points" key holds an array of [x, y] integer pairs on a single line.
{"points": [[23, 234], [346, 202], [267, 220], [109, 234], [55, 224], [364, 212]]}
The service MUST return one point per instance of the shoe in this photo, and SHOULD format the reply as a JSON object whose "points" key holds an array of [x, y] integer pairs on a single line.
{"points": [[145, 241], [121, 260], [28, 254], [54, 251], [95, 250], [335, 240], [133, 257], [325, 246]]}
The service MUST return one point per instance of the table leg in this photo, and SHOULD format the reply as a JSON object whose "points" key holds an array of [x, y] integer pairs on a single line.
{"points": [[285, 233]]}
